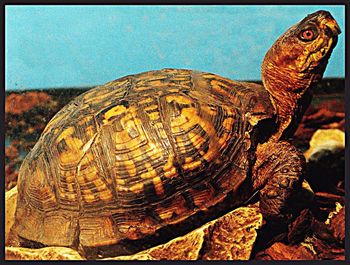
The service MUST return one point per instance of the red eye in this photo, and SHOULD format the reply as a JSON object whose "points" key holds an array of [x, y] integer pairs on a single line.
{"points": [[307, 34]]}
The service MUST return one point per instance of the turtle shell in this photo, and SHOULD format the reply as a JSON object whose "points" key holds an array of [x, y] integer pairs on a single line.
{"points": [[136, 154]]}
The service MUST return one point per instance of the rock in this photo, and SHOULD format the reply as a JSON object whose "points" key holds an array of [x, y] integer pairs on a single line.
{"points": [[10, 208], [281, 251], [327, 115], [139, 256], [303, 197], [48, 253], [332, 140], [20, 103], [325, 242], [11, 152], [230, 237], [324, 250], [326, 160], [328, 239], [336, 221], [300, 227]]}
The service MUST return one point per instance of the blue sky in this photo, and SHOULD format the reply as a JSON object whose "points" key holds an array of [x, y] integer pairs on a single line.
{"points": [[64, 46]]}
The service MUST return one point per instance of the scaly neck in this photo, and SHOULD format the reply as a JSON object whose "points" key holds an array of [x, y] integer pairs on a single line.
{"points": [[290, 95]]}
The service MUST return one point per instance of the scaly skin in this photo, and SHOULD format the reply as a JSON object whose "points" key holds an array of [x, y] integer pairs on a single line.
{"points": [[290, 69]]}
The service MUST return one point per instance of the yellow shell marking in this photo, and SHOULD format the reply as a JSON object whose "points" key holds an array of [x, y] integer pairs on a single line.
{"points": [[88, 196], [171, 173], [178, 98], [145, 101], [130, 167], [169, 163], [193, 118], [137, 188], [70, 196], [227, 123], [177, 206], [158, 186], [117, 110], [188, 159], [192, 165], [196, 140], [151, 108], [91, 174], [74, 153], [153, 116], [65, 133], [120, 182], [70, 187], [210, 111], [169, 169], [150, 173], [141, 88], [104, 193], [160, 130]]}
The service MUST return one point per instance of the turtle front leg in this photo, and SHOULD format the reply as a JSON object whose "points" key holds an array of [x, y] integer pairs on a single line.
{"points": [[278, 173]]}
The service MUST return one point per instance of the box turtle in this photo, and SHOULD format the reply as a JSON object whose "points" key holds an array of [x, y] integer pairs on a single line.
{"points": [[148, 151]]}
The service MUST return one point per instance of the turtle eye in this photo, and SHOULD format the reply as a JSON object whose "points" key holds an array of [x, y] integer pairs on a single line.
{"points": [[307, 35]]}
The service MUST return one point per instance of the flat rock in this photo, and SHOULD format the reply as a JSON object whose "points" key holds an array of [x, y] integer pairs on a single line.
{"points": [[17, 103], [281, 251], [325, 140], [326, 160], [336, 221]]}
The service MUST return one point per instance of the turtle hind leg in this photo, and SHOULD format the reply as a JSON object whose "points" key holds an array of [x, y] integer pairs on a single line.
{"points": [[278, 174]]}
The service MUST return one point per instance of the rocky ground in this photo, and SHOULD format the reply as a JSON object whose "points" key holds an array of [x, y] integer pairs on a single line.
{"points": [[317, 232]]}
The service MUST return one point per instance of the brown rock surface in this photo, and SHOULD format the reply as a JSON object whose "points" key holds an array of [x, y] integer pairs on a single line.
{"points": [[324, 240], [337, 223], [327, 115], [325, 169], [325, 139], [280, 251], [20, 103]]}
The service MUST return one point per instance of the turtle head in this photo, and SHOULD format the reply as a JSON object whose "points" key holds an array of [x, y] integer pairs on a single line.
{"points": [[299, 57]]}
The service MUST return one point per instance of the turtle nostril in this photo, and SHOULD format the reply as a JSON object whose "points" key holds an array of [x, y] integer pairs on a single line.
{"points": [[328, 31]]}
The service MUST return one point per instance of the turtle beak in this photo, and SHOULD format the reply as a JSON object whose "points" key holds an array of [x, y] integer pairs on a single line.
{"points": [[333, 26]]}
